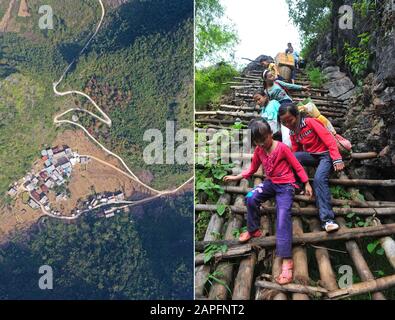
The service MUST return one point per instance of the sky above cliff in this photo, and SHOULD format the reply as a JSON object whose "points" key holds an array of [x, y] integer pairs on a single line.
{"points": [[263, 27]]}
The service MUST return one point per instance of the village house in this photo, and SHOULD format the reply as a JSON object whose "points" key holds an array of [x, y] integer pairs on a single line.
{"points": [[49, 183], [33, 204], [12, 192], [44, 188], [84, 160], [119, 196], [58, 163], [30, 186]]}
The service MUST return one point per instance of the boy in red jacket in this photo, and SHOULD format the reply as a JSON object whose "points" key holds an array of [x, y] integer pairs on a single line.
{"points": [[314, 146]]}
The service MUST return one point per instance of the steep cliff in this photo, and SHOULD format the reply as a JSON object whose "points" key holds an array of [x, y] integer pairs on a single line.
{"points": [[370, 122]]}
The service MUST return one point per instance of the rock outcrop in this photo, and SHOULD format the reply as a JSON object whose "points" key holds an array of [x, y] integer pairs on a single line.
{"points": [[370, 122]]}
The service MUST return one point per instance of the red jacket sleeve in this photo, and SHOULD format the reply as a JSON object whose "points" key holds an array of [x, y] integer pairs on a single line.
{"points": [[255, 163], [327, 138], [295, 164], [295, 145]]}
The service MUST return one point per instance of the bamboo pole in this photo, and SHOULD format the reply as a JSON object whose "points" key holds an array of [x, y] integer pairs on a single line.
{"points": [[299, 256], [232, 253], [219, 121], [388, 244], [327, 275], [359, 261], [338, 202], [314, 237], [249, 78], [250, 115], [306, 211], [244, 278], [291, 287], [363, 287], [219, 291], [350, 182], [214, 226], [231, 107]]}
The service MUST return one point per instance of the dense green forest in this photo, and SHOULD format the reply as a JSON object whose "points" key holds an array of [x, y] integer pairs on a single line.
{"points": [[143, 49], [125, 257]]}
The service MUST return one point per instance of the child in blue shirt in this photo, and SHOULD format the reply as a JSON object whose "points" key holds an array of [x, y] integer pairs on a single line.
{"points": [[269, 113]]}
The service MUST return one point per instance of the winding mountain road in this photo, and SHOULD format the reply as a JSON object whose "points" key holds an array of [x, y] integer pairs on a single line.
{"points": [[103, 117]]}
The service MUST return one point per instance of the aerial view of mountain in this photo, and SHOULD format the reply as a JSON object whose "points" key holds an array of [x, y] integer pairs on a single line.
{"points": [[83, 85]]}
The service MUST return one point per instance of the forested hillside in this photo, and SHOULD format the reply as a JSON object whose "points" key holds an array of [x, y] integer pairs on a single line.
{"points": [[139, 69], [126, 257], [143, 53]]}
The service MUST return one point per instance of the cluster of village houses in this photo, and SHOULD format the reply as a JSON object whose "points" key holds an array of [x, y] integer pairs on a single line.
{"points": [[57, 167], [104, 202]]}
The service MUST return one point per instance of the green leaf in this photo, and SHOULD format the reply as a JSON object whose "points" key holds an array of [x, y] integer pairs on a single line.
{"points": [[221, 209], [380, 273], [380, 251], [372, 246], [208, 256], [350, 215]]}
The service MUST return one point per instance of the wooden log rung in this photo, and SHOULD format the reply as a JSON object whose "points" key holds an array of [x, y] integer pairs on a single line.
{"points": [[311, 238]]}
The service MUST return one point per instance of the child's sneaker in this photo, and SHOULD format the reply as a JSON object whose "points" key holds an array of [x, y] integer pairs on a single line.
{"points": [[331, 226], [245, 236]]}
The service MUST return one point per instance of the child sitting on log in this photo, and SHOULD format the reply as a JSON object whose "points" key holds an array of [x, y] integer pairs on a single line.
{"points": [[314, 146], [269, 112], [276, 89], [277, 161]]}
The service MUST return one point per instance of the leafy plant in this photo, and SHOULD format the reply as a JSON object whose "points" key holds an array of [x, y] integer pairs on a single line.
{"points": [[236, 232], [209, 83], [201, 224], [354, 221], [212, 249], [380, 273], [372, 246], [338, 192], [357, 58], [316, 77], [209, 187], [363, 7], [239, 126], [216, 235], [215, 277], [221, 208]]}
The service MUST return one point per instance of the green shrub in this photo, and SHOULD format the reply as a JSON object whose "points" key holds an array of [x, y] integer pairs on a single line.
{"points": [[316, 77], [209, 83], [357, 58]]}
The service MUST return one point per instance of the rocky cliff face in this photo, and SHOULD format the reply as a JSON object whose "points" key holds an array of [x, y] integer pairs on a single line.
{"points": [[370, 122]]}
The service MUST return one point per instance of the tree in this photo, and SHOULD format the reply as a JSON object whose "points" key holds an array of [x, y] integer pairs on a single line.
{"points": [[310, 16], [214, 35]]}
